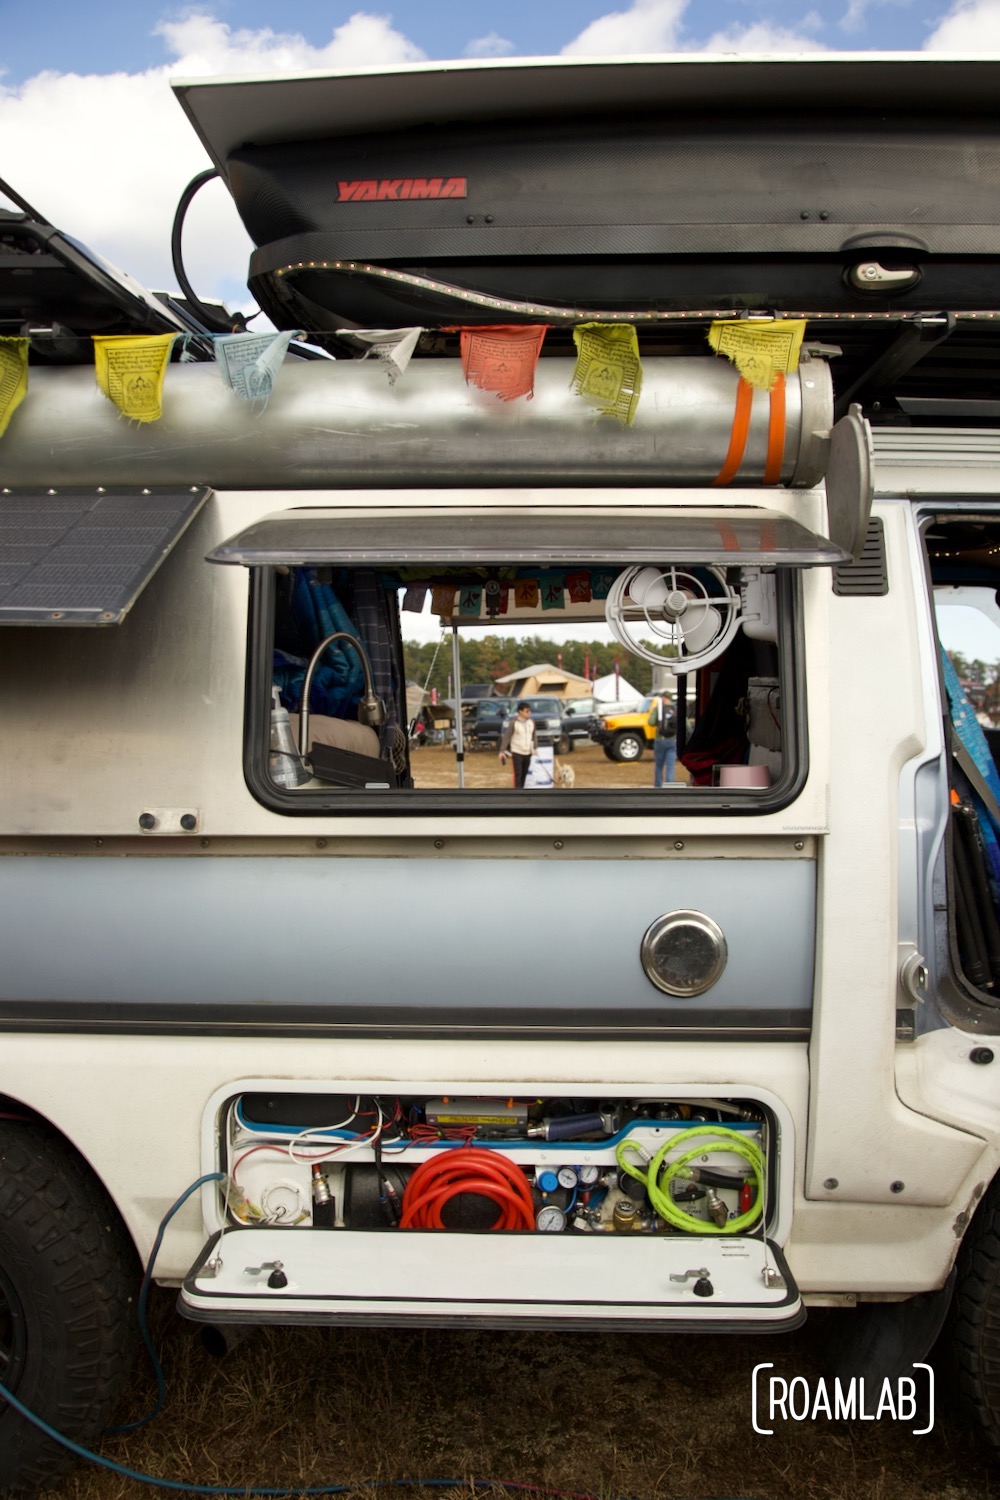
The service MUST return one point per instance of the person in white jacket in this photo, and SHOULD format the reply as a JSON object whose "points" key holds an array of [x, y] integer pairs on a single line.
{"points": [[520, 741]]}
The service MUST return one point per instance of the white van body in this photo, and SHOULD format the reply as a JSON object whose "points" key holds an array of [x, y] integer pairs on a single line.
{"points": [[183, 953]]}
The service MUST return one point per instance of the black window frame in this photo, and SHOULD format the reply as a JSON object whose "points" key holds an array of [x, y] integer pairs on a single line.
{"points": [[583, 803]]}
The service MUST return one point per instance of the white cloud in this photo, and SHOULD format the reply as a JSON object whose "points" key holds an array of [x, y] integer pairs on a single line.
{"points": [[106, 156], [647, 26], [491, 45], [971, 27], [761, 37], [657, 26]]}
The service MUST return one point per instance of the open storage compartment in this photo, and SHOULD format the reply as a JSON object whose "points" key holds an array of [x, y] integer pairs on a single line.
{"points": [[507, 1209]]}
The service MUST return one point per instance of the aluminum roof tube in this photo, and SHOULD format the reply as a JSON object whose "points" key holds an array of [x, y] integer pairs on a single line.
{"points": [[339, 424]]}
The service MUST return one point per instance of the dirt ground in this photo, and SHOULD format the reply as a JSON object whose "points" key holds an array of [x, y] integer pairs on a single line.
{"points": [[616, 1415], [435, 766]]}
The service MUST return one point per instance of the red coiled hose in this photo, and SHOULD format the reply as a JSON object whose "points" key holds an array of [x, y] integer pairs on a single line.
{"points": [[467, 1169]]}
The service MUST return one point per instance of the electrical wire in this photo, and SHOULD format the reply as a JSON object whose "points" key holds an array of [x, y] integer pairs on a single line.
{"points": [[144, 1298], [185, 1488], [213, 320]]}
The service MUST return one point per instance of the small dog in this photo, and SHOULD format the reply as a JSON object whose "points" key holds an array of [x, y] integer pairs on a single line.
{"points": [[565, 776]]}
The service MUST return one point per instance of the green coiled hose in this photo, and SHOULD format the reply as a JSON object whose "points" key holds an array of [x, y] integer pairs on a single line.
{"points": [[710, 1138]]}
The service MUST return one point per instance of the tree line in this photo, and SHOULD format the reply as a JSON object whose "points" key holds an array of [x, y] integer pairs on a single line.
{"points": [[484, 658]]}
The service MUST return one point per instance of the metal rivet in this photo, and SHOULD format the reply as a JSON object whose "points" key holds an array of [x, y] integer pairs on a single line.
{"points": [[321, 843], [678, 843], [557, 843], [189, 822], [804, 214], [470, 218], [147, 820], [205, 843], [98, 843], [800, 843], [489, 218], [981, 1055], [831, 1183], [439, 843], [823, 214], [897, 1186]]}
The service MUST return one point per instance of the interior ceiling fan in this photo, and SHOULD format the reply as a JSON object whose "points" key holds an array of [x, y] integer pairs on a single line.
{"points": [[676, 607]]}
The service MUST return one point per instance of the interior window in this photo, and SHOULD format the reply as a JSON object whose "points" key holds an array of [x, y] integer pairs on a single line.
{"points": [[642, 687]]}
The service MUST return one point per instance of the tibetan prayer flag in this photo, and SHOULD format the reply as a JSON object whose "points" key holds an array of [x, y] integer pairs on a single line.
{"points": [[760, 351], [130, 371], [443, 600], [249, 362], [392, 347], [470, 601], [13, 378], [502, 359], [526, 593], [608, 373], [552, 590]]}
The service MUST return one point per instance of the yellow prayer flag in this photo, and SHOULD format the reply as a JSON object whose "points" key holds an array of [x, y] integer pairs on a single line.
{"points": [[130, 372], [608, 373], [760, 351], [13, 378]]}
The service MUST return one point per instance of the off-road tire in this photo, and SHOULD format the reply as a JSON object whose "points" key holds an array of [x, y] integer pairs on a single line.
{"points": [[564, 745], [628, 747], [68, 1278], [973, 1328], [608, 751]]}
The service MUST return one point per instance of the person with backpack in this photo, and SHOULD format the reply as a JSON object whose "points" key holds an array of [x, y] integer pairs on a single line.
{"points": [[664, 741]]}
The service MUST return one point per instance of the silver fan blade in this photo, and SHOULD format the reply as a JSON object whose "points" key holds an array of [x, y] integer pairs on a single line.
{"points": [[699, 626]]}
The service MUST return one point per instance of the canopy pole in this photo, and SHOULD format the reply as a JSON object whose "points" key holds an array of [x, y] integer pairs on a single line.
{"points": [[456, 672]]}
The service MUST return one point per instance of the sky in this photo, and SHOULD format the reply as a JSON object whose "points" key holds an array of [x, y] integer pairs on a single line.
{"points": [[93, 138]]}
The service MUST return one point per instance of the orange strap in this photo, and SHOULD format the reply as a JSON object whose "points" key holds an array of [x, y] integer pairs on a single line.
{"points": [[776, 433], [738, 436]]}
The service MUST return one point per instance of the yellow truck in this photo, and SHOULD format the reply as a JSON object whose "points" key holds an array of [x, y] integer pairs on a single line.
{"points": [[624, 736]]}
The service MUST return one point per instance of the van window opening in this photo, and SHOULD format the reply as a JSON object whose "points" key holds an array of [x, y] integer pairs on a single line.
{"points": [[732, 722]]}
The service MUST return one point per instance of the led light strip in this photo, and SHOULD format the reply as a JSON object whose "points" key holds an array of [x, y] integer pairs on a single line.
{"points": [[602, 315]]}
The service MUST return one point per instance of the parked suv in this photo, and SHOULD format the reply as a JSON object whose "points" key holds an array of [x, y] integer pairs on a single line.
{"points": [[485, 726], [576, 716], [547, 714], [624, 736]]}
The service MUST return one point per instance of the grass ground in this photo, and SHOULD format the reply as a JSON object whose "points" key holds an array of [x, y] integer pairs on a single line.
{"points": [[616, 1415]]}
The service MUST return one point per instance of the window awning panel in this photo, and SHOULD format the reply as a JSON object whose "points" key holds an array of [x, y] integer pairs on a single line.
{"points": [[83, 557], [745, 536]]}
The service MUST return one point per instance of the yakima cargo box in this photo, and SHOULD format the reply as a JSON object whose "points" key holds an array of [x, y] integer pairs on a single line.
{"points": [[629, 189]]}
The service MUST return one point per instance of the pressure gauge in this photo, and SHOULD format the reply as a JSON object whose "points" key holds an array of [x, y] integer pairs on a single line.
{"points": [[589, 1175], [567, 1177], [550, 1219]]}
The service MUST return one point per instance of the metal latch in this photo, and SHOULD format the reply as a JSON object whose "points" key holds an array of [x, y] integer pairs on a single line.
{"points": [[913, 974], [870, 276]]}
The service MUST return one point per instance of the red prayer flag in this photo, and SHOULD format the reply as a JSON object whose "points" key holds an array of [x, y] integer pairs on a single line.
{"points": [[502, 358]]}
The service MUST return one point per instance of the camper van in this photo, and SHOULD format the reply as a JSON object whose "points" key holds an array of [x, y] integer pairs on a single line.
{"points": [[703, 355]]}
